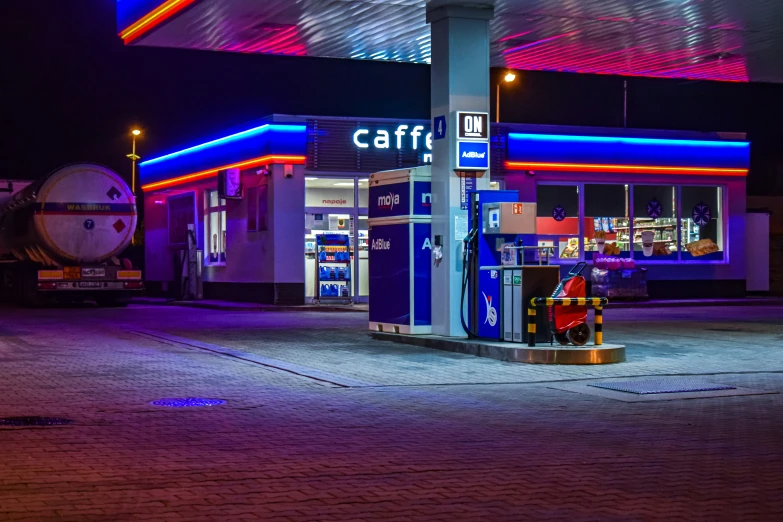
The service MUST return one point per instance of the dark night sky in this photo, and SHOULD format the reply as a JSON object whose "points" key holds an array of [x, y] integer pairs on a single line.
{"points": [[70, 91]]}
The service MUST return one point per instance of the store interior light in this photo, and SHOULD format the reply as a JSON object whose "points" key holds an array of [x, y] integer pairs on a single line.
{"points": [[307, 178], [344, 184]]}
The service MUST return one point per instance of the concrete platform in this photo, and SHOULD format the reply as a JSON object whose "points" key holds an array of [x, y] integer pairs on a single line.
{"points": [[513, 352]]}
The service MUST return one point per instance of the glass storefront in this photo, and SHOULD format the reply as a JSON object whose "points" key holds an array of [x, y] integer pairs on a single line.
{"points": [[653, 223], [607, 228], [557, 219], [331, 206], [701, 223], [215, 228]]}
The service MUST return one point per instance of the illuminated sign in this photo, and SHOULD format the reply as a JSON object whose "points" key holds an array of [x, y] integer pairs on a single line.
{"points": [[398, 139], [473, 155], [472, 126]]}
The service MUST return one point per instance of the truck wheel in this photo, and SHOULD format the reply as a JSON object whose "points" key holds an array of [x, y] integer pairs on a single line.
{"points": [[28, 291]]}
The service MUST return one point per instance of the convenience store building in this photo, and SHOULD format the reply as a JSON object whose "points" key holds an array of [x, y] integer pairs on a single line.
{"points": [[307, 175]]}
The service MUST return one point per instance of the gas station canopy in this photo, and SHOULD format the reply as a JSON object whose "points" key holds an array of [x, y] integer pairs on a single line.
{"points": [[727, 40]]}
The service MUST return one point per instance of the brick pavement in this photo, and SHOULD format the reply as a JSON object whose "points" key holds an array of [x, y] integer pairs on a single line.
{"points": [[286, 447]]}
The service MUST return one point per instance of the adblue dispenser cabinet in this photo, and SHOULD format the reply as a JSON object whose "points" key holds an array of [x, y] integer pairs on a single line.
{"points": [[400, 251]]}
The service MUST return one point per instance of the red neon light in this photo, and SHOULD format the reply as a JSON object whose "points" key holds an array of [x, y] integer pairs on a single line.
{"points": [[636, 169], [257, 162], [155, 17]]}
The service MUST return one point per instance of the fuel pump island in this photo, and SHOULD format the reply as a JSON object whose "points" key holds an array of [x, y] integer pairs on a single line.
{"points": [[507, 281]]}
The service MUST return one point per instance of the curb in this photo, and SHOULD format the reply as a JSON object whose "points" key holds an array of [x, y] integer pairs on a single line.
{"points": [[513, 352], [248, 307]]}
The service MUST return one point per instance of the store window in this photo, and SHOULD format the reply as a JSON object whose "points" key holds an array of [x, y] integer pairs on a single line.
{"points": [[336, 193], [364, 192], [655, 222], [606, 223], [557, 220], [182, 212], [215, 217], [701, 224]]}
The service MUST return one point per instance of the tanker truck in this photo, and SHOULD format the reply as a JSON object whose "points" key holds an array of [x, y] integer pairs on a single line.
{"points": [[62, 238]]}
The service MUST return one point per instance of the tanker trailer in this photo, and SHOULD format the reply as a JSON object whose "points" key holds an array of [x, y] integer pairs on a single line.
{"points": [[65, 233]]}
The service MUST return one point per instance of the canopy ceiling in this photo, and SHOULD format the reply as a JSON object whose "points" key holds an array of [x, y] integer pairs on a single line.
{"points": [[729, 40]]}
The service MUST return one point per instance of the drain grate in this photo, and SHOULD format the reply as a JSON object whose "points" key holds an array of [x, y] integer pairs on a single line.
{"points": [[34, 421], [187, 402], [651, 386]]}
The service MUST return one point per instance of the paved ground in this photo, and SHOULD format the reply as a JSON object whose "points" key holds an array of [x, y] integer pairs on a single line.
{"points": [[321, 423]]}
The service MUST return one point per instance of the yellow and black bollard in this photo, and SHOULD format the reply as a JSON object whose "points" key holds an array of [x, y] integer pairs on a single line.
{"points": [[599, 325], [531, 323]]}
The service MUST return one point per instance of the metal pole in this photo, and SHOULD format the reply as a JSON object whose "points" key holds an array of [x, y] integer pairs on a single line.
{"points": [[497, 103], [133, 167]]}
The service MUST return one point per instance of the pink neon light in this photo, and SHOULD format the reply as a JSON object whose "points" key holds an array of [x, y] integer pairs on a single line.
{"points": [[575, 56], [284, 41], [514, 36], [539, 42]]}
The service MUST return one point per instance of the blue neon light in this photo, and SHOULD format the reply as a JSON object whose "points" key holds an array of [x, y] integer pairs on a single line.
{"points": [[623, 150], [620, 140], [268, 139], [227, 139]]}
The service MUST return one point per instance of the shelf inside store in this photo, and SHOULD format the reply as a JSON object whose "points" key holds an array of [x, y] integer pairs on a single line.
{"points": [[637, 227]]}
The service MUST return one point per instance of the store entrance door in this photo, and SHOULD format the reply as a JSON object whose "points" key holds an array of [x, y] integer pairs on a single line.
{"points": [[333, 221]]}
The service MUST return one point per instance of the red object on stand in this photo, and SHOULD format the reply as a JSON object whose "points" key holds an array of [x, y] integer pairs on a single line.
{"points": [[570, 322]]}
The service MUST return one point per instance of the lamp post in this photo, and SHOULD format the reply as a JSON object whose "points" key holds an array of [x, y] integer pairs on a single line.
{"points": [[508, 78], [134, 158]]}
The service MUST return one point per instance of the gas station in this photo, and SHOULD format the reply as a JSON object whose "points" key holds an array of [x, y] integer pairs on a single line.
{"points": [[488, 251]]}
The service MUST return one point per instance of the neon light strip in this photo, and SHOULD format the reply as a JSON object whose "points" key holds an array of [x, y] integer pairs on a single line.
{"points": [[155, 17], [637, 169], [227, 139], [639, 141], [263, 160]]}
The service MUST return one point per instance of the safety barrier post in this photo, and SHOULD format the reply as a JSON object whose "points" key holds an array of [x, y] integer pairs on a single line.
{"points": [[531, 323], [599, 325]]}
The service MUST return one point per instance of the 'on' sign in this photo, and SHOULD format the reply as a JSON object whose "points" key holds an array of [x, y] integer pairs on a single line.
{"points": [[473, 125]]}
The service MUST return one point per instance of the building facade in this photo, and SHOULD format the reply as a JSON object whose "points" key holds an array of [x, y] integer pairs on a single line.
{"points": [[302, 176]]}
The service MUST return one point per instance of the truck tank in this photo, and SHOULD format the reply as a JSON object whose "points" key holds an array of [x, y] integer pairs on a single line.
{"points": [[83, 213]]}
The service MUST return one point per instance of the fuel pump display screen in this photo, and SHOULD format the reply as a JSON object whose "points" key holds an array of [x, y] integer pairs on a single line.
{"points": [[494, 218]]}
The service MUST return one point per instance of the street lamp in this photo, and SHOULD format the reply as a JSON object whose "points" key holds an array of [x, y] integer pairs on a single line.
{"points": [[508, 78], [134, 158]]}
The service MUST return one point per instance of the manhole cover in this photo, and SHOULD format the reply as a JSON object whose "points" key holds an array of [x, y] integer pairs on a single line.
{"points": [[662, 386], [187, 402], [34, 421]]}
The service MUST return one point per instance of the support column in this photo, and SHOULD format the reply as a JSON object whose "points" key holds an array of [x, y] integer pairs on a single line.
{"points": [[459, 82]]}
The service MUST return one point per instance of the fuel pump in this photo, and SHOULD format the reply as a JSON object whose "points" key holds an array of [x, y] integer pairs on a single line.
{"points": [[499, 225]]}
